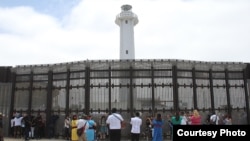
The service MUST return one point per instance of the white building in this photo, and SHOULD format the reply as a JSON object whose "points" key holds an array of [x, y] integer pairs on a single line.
{"points": [[126, 20]]}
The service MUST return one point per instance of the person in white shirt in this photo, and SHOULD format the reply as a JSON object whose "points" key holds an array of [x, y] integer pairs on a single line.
{"points": [[66, 127], [136, 123], [17, 125], [81, 123], [184, 119], [214, 119], [114, 121]]}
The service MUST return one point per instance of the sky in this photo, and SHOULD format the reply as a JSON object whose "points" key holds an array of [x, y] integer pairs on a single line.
{"points": [[34, 32]]}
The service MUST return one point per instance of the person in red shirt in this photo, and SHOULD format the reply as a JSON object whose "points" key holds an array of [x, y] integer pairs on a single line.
{"points": [[195, 119]]}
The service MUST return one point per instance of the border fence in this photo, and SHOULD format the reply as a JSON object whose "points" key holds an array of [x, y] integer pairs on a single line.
{"points": [[146, 86]]}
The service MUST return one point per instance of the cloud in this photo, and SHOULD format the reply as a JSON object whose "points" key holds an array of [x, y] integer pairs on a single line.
{"points": [[196, 30]]}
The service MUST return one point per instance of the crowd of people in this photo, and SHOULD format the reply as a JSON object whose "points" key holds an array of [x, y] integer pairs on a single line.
{"points": [[85, 128], [29, 127], [194, 118], [155, 125]]}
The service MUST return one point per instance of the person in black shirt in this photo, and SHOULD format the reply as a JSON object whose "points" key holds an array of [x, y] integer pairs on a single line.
{"points": [[148, 131], [1, 127], [27, 124]]}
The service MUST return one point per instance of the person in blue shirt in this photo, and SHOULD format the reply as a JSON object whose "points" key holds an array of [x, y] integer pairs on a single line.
{"points": [[90, 132], [157, 124]]}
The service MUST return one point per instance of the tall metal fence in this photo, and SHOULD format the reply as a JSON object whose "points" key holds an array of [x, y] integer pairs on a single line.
{"points": [[147, 86]]}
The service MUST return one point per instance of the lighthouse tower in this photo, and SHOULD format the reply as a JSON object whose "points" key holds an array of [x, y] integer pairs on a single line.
{"points": [[126, 20]]}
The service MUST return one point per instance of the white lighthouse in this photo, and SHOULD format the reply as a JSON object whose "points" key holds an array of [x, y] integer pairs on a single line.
{"points": [[126, 20]]}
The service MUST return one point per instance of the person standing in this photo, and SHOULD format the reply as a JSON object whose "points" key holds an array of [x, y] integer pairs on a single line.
{"points": [[74, 136], [17, 126], [170, 125], [103, 127], [157, 125], [184, 119], [227, 120], [27, 124], [39, 129], [82, 124], [114, 121], [195, 118], [1, 127], [51, 125], [66, 127], [148, 130], [32, 128], [176, 120], [214, 119], [12, 124], [90, 132], [136, 123]]}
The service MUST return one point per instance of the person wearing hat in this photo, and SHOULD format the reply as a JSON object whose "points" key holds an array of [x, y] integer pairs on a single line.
{"points": [[1, 127]]}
